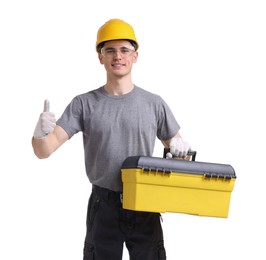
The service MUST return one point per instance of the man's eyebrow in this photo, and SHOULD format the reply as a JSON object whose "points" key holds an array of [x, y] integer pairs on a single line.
{"points": [[123, 46]]}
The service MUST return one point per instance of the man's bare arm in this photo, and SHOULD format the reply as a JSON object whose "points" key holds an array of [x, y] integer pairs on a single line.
{"points": [[44, 147]]}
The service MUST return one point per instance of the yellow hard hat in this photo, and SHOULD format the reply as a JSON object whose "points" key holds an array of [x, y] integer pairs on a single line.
{"points": [[115, 29]]}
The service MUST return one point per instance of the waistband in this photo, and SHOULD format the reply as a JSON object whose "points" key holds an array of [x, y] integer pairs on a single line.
{"points": [[106, 194]]}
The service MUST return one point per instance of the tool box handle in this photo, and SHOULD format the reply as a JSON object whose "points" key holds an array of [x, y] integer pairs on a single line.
{"points": [[190, 153]]}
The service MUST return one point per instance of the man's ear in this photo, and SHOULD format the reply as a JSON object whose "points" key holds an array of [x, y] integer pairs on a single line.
{"points": [[100, 57], [135, 57]]}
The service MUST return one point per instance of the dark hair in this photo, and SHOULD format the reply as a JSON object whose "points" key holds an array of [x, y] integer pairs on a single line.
{"points": [[100, 46]]}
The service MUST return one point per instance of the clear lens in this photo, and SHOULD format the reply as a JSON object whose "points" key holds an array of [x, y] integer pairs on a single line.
{"points": [[123, 51]]}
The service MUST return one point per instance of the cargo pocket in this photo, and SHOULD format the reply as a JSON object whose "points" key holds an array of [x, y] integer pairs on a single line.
{"points": [[161, 251], [88, 252], [92, 210]]}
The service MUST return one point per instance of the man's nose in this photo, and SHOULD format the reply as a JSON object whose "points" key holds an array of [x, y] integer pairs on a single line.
{"points": [[117, 54]]}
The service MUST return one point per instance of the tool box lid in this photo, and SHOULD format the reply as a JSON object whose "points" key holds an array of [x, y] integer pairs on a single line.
{"points": [[156, 164]]}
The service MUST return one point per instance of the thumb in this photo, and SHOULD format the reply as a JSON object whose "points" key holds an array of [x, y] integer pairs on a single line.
{"points": [[46, 107]]}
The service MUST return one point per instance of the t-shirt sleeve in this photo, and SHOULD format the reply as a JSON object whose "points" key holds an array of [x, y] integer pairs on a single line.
{"points": [[72, 120], [167, 124]]}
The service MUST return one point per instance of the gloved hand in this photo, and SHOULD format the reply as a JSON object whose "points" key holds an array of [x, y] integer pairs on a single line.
{"points": [[46, 122], [178, 148]]}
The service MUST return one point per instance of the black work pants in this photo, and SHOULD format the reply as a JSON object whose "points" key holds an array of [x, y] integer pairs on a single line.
{"points": [[109, 226]]}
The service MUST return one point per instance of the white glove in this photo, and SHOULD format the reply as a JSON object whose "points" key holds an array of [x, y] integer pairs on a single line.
{"points": [[179, 147], [46, 122]]}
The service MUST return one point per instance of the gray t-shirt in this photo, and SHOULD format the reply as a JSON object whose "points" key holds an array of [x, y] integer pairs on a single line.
{"points": [[115, 127]]}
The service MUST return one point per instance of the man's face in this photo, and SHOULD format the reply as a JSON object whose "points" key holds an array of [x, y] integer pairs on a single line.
{"points": [[118, 57]]}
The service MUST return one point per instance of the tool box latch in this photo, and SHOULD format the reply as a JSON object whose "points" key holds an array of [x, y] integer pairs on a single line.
{"points": [[209, 175], [156, 170]]}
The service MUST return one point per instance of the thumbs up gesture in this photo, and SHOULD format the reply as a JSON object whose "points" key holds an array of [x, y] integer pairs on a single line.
{"points": [[46, 122]]}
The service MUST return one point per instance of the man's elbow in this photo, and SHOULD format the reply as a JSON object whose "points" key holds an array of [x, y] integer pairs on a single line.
{"points": [[39, 151], [41, 154]]}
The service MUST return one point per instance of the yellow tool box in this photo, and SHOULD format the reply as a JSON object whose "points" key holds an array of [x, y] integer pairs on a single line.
{"points": [[170, 185]]}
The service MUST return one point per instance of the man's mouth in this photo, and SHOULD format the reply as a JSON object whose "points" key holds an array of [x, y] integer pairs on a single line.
{"points": [[117, 65]]}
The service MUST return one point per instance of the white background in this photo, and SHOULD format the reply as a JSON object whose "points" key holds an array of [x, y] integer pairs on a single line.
{"points": [[207, 59]]}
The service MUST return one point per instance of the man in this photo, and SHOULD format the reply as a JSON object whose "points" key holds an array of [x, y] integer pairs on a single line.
{"points": [[118, 120]]}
